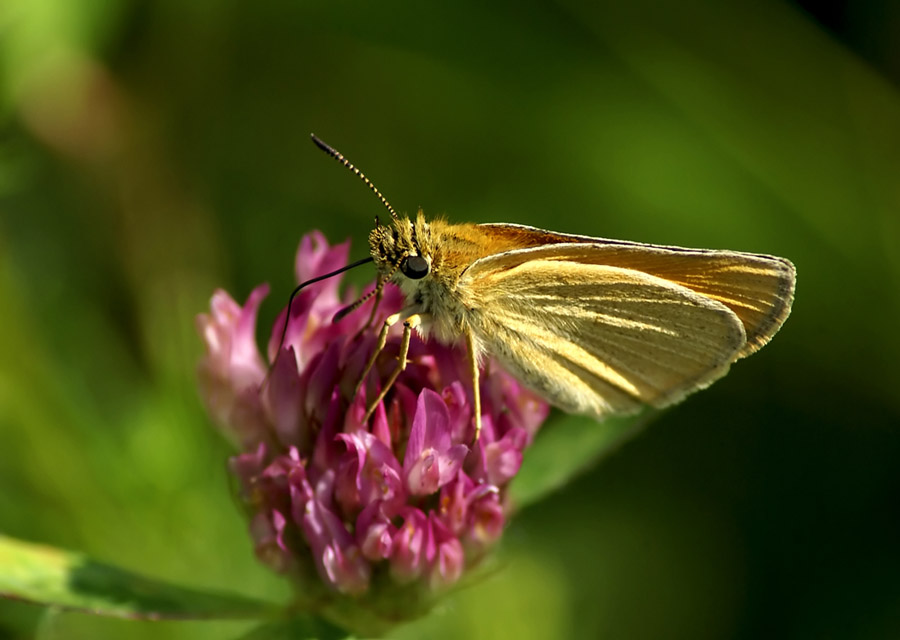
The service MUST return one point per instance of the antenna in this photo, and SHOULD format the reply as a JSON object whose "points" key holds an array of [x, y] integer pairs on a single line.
{"points": [[361, 300], [334, 153]]}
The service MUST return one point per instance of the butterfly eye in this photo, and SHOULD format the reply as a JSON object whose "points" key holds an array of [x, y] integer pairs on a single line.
{"points": [[415, 267]]}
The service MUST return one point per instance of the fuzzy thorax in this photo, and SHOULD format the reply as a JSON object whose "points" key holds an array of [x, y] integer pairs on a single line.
{"points": [[432, 296]]}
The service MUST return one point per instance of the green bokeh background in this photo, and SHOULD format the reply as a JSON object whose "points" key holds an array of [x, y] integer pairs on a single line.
{"points": [[152, 151]]}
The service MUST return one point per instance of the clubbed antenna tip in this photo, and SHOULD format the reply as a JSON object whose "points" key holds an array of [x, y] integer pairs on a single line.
{"points": [[334, 153]]}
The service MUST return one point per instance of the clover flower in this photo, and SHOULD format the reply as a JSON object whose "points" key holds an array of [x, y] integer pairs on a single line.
{"points": [[347, 507]]}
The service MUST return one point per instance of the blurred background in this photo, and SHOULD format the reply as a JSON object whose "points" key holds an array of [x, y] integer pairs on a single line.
{"points": [[153, 151]]}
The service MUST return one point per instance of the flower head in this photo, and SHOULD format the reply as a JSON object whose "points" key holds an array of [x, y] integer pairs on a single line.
{"points": [[338, 502]]}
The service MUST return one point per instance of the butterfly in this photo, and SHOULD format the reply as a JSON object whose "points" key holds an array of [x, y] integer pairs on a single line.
{"points": [[595, 326]]}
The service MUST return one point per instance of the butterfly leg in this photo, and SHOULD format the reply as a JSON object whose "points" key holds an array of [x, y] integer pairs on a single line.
{"points": [[411, 323], [476, 389], [389, 322]]}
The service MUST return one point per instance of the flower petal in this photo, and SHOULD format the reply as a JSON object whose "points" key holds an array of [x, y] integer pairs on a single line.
{"points": [[323, 483]]}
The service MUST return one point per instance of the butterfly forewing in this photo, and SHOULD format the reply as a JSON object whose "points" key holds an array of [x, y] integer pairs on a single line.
{"points": [[759, 289]]}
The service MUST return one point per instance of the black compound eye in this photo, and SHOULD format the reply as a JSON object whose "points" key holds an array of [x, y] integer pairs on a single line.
{"points": [[415, 267]]}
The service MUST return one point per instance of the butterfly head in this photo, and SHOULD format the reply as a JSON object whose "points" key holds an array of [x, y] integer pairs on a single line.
{"points": [[402, 249]]}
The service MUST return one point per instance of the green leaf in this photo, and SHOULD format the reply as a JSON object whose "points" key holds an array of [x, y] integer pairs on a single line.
{"points": [[53, 577], [568, 447], [299, 628]]}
